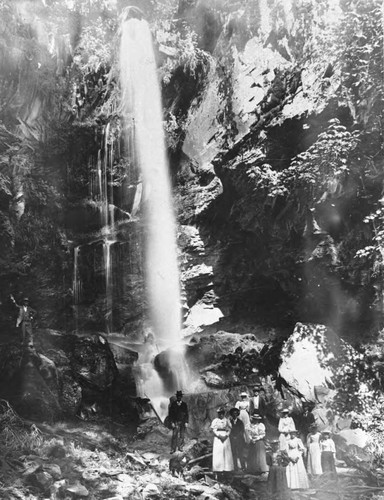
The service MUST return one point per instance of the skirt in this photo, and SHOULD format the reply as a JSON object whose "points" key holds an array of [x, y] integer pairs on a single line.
{"points": [[222, 455], [277, 482], [297, 475], [328, 462], [257, 463]]}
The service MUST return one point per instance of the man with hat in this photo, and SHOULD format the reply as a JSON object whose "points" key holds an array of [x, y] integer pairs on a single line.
{"points": [[236, 437], [24, 319], [178, 417], [257, 401]]}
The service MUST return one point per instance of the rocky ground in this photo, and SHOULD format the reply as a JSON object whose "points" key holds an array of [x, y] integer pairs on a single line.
{"points": [[101, 460]]}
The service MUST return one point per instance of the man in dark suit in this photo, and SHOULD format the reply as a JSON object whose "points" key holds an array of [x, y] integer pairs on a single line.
{"points": [[257, 402], [237, 439], [178, 417], [24, 319]]}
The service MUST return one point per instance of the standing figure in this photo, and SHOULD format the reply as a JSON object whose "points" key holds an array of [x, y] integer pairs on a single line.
{"points": [[304, 421], [286, 425], [257, 402], [328, 453], [237, 439], [277, 461], [243, 407], [178, 418], [257, 463], [222, 459], [314, 452], [296, 474], [24, 319]]}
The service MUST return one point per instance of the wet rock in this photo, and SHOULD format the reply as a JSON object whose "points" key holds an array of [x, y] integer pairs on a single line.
{"points": [[78, 490], [40, 479], [209, 349], [54, 470]]}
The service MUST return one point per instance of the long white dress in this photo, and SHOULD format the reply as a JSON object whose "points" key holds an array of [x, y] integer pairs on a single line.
{"points": [[314, 454], [296, 474], [286, 425], [243, 406], [222, 459]]}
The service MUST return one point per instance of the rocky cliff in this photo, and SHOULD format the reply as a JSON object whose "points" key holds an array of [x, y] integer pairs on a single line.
{"points": [[272, 113]]}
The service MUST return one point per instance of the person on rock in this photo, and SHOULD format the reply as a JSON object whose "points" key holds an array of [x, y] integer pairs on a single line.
{"points": [[296, 474], [314, 452], [24, 319], [277, 461], [237, 439], [257, 401], [328, 453], [286, 425], [178, 418], [257, 463], [222, 459], [243, 406]]}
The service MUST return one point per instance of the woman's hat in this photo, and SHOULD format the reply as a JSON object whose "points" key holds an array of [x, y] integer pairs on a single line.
{"points": [[285, 410], [325, 431], [220, 410], [243, 394], [294, 431], [256, 416]]}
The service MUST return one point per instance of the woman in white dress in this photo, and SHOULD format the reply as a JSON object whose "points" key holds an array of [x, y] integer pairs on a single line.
{"points": [[314, 452], [296, 474], [286, 425], [243, 406], [222, 459]]}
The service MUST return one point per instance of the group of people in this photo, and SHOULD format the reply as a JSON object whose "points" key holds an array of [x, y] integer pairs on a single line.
{"points": [[239, 443]]}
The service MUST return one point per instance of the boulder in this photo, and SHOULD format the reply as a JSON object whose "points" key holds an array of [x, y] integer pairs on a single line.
{"points": [[305, 359], [208, 349]]}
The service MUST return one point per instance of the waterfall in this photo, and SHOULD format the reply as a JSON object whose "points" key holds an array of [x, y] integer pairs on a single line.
{"points": [[107, 246], [141, 103], [76, 285]]}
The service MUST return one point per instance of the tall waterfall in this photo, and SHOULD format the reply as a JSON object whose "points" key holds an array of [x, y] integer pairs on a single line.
{"points": [[143, 117], [142, 105]]}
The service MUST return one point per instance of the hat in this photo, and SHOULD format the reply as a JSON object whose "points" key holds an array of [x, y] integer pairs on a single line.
{"points": [[325, 431], [294, 431], [275, 441], [257, 387], [243, 394], [220, 410], [25, 299], [285, 410], [256, 416], [179, 393], [232, 410]]}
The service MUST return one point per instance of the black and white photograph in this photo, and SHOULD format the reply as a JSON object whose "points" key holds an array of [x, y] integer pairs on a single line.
{"points": [[191, 250]]}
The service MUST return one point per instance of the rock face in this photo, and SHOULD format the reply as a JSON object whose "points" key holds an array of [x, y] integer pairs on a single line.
{"points": [[74, 375]]}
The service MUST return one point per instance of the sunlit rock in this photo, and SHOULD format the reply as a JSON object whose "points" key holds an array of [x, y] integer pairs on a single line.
{"points": [[305, 356]]}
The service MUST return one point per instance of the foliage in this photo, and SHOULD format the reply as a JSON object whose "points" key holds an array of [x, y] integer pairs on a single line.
{"points": [[360, 51], [319, 170], [185, 51]]}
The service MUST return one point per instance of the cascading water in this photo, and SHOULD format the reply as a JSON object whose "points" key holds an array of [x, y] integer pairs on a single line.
{"points": [[76, 284], [141, 100]]}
